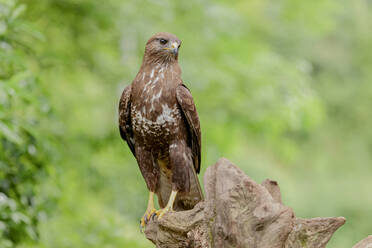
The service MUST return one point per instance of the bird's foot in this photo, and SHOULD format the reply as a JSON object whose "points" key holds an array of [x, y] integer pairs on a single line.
{"points": [[163, 211], [150, 213]]}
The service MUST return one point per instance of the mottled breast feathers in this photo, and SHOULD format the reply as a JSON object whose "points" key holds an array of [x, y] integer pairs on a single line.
{"points": [[188, 110]]}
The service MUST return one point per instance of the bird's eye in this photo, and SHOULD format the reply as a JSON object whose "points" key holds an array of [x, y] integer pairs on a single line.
{"points": [[163, 41]]}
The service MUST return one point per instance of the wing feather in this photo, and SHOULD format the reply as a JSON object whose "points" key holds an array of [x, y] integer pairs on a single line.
{"points": [[187, 104], [125, 122]]}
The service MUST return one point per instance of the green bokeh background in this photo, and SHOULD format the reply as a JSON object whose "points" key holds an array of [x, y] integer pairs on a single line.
{"points": [[283, 89]]}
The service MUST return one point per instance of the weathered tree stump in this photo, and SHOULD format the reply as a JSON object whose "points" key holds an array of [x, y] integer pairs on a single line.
{"points": [[239, 212], [365, 243]]}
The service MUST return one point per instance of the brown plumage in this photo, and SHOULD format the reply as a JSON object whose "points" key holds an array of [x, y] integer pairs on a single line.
{"points": [[158, 120]]}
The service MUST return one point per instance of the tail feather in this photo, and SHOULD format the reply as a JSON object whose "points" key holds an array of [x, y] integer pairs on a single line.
{"points": [[184, 200], [164, 189]]}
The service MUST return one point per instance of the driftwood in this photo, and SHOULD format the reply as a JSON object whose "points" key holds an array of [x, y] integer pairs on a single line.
{"points": [[239, 212]]}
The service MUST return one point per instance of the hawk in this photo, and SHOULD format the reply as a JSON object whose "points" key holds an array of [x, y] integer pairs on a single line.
{"points": [[159, 122]]}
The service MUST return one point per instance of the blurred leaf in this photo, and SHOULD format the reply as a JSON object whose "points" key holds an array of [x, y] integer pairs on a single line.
{"points": [[9, 134], [17, 12]]}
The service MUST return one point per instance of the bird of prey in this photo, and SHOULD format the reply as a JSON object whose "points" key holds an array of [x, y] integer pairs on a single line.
{"points": [[159, 122]]}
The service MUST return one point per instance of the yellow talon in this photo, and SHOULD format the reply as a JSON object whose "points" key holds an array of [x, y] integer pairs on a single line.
{"points": [[169, 207], [163, 211], [150, 211], [147, 216]]}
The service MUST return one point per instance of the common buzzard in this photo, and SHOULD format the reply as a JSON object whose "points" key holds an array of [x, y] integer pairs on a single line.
{"points": [[159, 122]]}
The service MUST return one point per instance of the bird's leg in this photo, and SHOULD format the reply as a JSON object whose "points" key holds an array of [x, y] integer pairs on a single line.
{"points": [[169, 206], [149, 211]]}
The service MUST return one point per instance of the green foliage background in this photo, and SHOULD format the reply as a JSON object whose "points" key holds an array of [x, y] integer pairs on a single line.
{"points": [[283, 89]]}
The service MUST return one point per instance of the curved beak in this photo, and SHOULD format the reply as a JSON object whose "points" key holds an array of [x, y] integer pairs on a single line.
{"points": [[174, 48]]}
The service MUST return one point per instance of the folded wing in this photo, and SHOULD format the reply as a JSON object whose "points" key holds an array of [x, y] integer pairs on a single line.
{"points": [[125, 122], [187, 105]]}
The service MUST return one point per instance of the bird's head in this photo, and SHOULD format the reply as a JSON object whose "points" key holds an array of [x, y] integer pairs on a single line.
{"points": [[162, 47]]}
